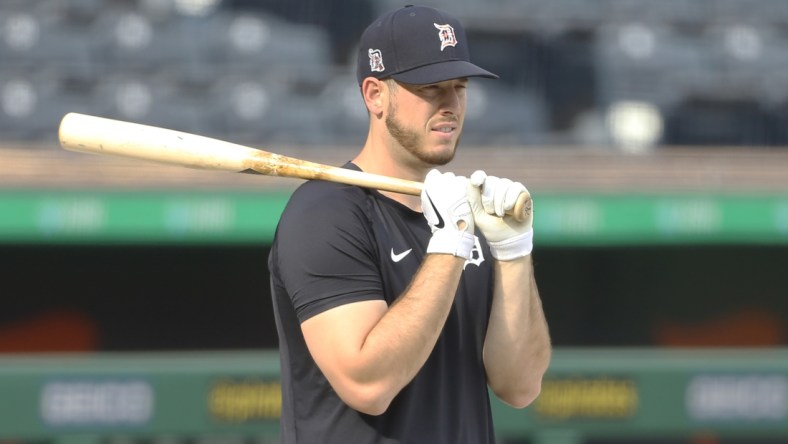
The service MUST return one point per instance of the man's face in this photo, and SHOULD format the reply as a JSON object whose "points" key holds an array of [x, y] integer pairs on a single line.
{"points": [[427, 120]]}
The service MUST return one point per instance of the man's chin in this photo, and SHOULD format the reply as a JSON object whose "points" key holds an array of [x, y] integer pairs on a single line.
{"points": [[443, 157], [441, 161], [436, 159], [437, 155]]}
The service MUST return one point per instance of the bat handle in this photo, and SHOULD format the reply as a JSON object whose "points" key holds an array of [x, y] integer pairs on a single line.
{"points": [[521, 210]]}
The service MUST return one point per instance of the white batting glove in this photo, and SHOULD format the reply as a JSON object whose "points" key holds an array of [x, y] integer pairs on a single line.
{"points": [[444, 201], [490, 198]]}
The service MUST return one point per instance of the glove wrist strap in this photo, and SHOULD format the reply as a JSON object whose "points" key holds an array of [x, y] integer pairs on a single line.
{"points": [[454, 242], [514, 247]]}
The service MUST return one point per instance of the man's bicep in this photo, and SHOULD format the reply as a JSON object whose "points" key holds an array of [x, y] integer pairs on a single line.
{"points": [[327, 264], [336, 336]]}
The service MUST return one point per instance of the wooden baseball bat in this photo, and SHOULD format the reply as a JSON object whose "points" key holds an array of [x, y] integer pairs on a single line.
{"points": [[99, 135]]}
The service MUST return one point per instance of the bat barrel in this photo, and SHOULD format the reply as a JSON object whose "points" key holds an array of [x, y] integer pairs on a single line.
{"points": [[98, 135]]}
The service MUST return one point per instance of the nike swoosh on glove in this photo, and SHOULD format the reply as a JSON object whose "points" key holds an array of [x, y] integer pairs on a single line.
{"points": [[444, 202]]}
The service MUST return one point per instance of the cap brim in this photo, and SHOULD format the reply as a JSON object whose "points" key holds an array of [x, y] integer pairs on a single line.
{"points": [[439, 72]]}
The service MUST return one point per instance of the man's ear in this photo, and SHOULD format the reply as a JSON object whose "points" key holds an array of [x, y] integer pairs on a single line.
{"points": [[374, 92]]}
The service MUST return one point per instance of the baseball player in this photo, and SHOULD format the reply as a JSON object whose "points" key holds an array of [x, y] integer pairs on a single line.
{"points": [[397, 315]]}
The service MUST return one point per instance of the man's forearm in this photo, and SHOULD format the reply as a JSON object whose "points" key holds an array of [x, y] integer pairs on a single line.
{"points": [[416, 318], [396, 347], [517, 348]]}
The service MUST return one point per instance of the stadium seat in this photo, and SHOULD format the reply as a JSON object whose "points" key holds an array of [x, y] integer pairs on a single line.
{"points": [[259, 44], [498, 115], [659, 13], [31, 41], [740, 48], [151, 100], [253, 110], [646, 62], [343, 111], [130, 40], [564, 14], [752, 12], [518, 58], [32, 104], [771, 13]]}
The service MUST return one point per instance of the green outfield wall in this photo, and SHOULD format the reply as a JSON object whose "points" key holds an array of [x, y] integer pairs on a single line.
{"points": [[589, 395], [50, 216]]}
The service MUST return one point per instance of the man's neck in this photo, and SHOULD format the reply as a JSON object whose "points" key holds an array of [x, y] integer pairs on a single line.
{"points": [[381, 162]]}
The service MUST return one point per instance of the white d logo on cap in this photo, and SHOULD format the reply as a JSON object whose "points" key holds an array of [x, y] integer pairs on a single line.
{"points": [[446, 34]]}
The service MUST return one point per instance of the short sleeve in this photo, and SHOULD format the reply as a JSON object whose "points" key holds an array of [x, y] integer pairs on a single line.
{"points": [[325, 254]]}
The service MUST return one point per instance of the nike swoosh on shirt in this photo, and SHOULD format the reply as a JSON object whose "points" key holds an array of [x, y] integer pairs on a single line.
{"points": [[400, 256]]}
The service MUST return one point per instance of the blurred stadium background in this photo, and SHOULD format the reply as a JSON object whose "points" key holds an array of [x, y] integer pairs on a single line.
{"points": [[652, 133]]}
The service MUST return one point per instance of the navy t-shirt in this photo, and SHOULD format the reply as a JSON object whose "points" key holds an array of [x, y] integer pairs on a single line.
{"points": [[337, 244]]}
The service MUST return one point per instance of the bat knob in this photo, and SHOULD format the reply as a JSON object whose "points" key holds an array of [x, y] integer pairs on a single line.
{"points": [[523, 207]]}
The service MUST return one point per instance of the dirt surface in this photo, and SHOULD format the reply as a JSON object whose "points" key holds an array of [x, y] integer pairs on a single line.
{"points": [[541, 169]]}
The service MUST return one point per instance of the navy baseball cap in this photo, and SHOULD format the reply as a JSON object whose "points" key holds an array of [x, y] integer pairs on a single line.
{"points": [[418, 45]]}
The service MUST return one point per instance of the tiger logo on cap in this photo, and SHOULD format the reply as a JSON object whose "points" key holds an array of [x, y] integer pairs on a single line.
{"points": [[446, 35]]}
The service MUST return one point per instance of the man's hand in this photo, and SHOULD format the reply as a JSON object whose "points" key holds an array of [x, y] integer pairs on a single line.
{"points": [[444, 201], [490, 198]]}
